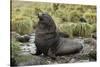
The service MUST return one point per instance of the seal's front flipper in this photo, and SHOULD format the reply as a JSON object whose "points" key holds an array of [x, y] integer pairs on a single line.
{"points": [[51, 53]]}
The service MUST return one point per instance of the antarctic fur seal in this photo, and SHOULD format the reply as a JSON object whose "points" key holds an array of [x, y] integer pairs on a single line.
{"points": [[48, 41], [46, 36]]}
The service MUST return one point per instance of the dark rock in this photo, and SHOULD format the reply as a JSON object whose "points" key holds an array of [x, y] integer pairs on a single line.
{"points": [[24, 38], [18, 37], [94, 36], [93, 55], [90, 41]]}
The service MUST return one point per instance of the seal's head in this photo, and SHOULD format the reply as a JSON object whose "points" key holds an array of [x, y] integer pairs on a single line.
{"points": [[45, 18]]}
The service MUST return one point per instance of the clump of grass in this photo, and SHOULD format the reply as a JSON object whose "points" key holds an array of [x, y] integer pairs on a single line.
{"points": [[74, 16], [15, 49], [67, 28], [24, 58], [90, 17], [76, 29], [94, 29], [22, 25], [82, 29]]}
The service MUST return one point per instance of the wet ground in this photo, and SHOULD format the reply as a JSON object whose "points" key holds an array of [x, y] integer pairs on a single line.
{"points": [[26, 57]]}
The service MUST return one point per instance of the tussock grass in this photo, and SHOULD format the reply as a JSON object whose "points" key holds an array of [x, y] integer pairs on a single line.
{"points": [[82, 29], [67, 28], [66, 17], [15, 48], [22, 25], [90, 17], [74, 16], [94, 27], [76, 29]]}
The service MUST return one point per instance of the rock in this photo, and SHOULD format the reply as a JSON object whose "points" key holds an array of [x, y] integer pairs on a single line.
{"points": [[94, 36], [18, 37], [89, 50], [93, 55], [90, 41], [24, 38]]}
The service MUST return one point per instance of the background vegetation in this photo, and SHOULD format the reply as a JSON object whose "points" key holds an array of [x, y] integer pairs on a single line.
{"points": [[66, 16]]}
